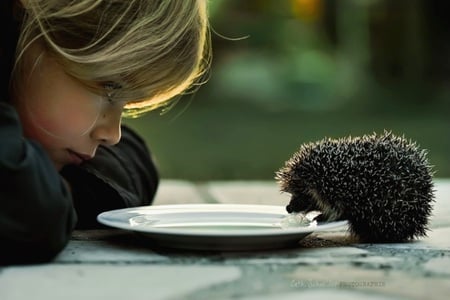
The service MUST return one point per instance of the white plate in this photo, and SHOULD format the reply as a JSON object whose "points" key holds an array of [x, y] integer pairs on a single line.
{"points": [[213, 226]]}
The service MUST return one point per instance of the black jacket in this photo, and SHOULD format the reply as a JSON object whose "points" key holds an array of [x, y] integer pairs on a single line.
{"points": [[38, 211]]}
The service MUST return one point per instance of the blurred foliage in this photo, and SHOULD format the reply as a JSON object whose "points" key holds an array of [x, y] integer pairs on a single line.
{"points": [[287, 72]]}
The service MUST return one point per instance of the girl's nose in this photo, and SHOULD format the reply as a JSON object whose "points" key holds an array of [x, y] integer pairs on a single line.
{"points": [[107, 130]]}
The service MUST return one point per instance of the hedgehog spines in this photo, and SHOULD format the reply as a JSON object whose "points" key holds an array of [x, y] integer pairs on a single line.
{"points": [[381, 183]]}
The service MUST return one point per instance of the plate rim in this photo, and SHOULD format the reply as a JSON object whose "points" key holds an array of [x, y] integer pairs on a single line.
{"points": [[255, 208]]}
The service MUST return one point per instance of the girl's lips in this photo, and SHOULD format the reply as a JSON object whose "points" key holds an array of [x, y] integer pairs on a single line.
{"points": [[77, 158]]}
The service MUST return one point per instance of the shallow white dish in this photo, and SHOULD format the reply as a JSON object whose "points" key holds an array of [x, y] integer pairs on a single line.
{"points": [[225, 227]]}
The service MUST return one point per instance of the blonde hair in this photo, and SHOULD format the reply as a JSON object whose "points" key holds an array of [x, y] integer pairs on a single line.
{"points": [[149, 51]]}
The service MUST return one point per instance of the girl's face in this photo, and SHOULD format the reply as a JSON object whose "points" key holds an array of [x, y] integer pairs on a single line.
{"points": [[68, 120]]}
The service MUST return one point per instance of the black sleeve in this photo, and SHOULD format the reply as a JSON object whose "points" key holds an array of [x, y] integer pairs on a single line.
{"points": [[36, 210], [119, 176]]}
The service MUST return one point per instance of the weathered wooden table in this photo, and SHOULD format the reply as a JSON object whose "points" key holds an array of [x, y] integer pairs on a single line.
{"points": [[114, 264]]}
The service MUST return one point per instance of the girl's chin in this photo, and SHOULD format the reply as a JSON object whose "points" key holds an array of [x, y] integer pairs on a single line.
{"points": [[58, 166]]}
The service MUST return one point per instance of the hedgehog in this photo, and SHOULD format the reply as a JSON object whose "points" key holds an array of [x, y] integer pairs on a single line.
{"points": [[382, 184]]}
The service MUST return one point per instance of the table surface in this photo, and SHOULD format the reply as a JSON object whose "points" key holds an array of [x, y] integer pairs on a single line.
{"points": [[116, 264]]}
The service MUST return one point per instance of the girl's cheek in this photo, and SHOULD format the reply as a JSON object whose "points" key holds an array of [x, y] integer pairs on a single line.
{"points": [[56, 104], [66, 119]]}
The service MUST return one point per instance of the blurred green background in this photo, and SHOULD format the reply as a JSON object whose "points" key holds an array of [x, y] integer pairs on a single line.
{"points": [[286, 72]]}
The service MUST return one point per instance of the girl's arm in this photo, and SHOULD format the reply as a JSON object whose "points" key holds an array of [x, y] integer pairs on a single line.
{"points": [[119, 176], [36, 210]]}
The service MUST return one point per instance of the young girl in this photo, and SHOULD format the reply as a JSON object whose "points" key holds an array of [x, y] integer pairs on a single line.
{"points": [[73, 69]]}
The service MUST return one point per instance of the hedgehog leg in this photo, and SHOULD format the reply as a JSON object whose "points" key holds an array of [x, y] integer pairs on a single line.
{"points": [[323, 217]]}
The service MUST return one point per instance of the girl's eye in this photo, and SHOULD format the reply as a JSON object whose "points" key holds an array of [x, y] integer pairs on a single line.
{"points": [[110, 87], [109, 97]]}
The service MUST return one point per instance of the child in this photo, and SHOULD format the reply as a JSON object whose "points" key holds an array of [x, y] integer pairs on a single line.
{"points": [[73, 69]]}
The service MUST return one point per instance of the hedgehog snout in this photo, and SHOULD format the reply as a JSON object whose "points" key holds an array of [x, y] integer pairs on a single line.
{"points": [[312, 201]]}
